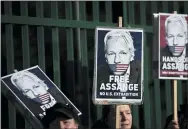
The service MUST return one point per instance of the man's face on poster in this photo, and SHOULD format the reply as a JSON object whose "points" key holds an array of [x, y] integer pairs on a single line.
{"points": [[33, 90], [117, 55], [176, 38]]}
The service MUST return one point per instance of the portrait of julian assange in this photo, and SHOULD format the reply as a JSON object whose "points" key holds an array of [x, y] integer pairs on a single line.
{"points": [[118, 62], [173, 45], [35, 90]]}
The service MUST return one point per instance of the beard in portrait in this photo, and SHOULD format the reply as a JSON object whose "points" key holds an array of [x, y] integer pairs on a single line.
{"points": [[36, 93], [119, 55], [176, 36]]}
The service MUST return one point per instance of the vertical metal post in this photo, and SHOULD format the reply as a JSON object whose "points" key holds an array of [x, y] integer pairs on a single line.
{"points": [[108, 10], [70, 54], [55, 45], [125, 13], [10, 60], [40, 36], [147, 107], [25, 36], [25, 45], [95, 6], [84, 64], [157, 92], [131, 12]]}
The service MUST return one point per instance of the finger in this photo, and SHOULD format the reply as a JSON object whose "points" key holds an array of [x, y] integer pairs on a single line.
{"points": [[174, 127], [174, 122]]}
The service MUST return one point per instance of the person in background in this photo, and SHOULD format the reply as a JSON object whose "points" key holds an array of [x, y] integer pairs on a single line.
{"points": [[108, 119], [182, 119], [60, 116]]}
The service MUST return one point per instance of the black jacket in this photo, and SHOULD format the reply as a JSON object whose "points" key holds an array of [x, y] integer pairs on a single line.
{"points": [[182, 116]]}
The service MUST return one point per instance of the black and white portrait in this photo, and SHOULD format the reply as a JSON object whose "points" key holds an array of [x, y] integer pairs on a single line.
{"points": [[35, 91], [118, 65], [176, 35], [119, 53], [32, 87], [173, 46]]}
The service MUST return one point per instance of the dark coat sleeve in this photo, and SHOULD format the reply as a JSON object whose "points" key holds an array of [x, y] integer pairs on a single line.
{"points": [[168, 120], [100, 124]]}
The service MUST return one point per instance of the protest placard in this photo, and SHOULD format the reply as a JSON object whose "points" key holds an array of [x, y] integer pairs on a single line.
{"points": [[118, 69], [173, 46], [33, 92]]}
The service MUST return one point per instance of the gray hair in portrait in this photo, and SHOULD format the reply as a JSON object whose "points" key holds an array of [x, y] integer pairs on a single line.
{"points": [[177, 18], [115, 34], [20, 75]]}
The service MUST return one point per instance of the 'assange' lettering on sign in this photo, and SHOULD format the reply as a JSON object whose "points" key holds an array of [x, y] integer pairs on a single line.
{"points": [[118, 83], [119, 86], [174, 63]]}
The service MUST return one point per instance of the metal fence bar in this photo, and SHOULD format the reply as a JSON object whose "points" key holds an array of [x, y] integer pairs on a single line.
{"points": [[131, 12], [157, 93], [185, 7], [168, 86], [10, 60], [85, 74], [70, 53], [25, 45], [175, 6], [55, 45], [108, 8], [154, 7], [61, 22], [147, 107], [157, 100], [95, 5], [78, 46], [143, 12], [40, 37], [52, 22], [165, 6], [25, 37], [180, 93], [125, 13], [77, 4]]}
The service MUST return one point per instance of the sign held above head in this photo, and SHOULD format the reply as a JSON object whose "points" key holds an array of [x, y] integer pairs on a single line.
{"points": [[32, 92]]}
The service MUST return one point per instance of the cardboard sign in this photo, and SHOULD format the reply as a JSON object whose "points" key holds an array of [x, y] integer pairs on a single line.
{"points": [[33, 92], [118, 69], [173, 46]]}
